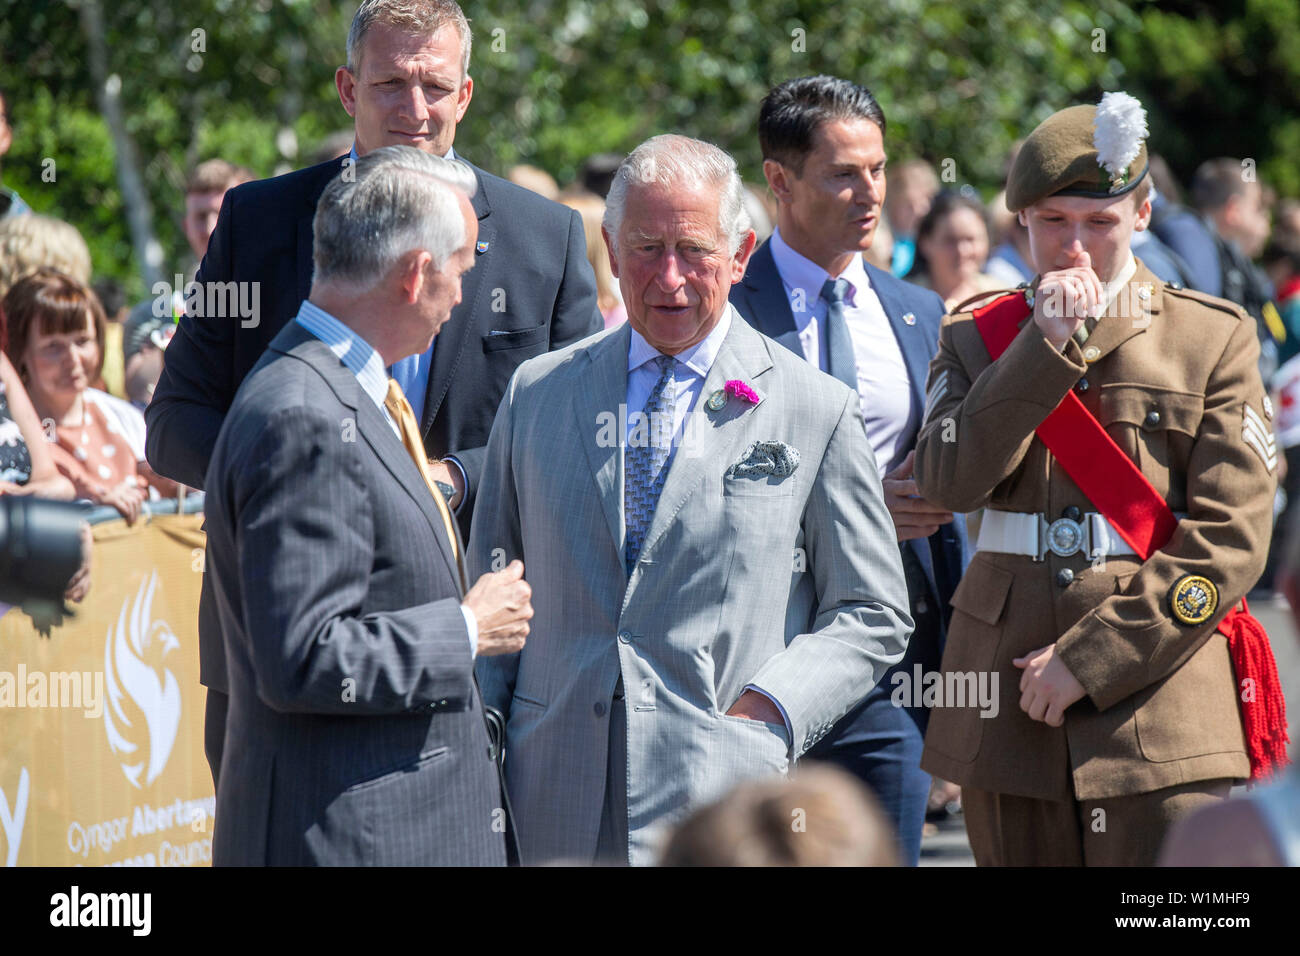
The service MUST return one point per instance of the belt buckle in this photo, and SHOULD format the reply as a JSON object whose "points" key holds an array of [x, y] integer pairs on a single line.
{"points": [[1062, 537]]}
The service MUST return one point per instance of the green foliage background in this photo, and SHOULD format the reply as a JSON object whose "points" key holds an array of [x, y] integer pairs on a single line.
{"points": [[558, 80]]}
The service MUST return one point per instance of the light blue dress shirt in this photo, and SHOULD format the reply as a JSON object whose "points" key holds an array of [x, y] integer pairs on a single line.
{"points": [[364, 362]]}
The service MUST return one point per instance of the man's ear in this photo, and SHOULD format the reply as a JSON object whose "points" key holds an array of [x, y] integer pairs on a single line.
{"points": [[609, 248], [1143, 216], [463, 97], [1021, 218], [411, 272], [346, 84], [778, 179], [741, 259]]}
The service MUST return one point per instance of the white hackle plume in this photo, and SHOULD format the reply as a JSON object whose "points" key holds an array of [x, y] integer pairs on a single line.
{"points": [[1121, 126]]}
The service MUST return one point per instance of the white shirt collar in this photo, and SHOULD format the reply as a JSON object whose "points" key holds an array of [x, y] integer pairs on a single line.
{"points": [[799, 272], [1114, 287], [698, 358]]}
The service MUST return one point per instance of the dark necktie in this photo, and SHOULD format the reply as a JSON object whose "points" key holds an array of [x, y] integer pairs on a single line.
{"points": [[840, 360]]}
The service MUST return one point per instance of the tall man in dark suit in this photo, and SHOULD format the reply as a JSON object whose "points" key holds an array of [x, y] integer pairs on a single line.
{"points": [[356, 734], [531, 290], [809, 288]]}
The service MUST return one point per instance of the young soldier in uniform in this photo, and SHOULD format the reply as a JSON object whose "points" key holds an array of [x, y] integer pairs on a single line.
{"points": [[1118, 703]]}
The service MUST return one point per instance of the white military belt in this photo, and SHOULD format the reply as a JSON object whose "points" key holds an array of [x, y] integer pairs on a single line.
{"points": [[1013, 532]]}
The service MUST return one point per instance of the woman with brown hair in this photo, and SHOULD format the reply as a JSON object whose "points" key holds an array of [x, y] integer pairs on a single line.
{"points": [[55, 327]]}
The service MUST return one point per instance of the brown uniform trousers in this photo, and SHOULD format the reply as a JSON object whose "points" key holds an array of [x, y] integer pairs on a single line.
{"points": [[1170, 374]]}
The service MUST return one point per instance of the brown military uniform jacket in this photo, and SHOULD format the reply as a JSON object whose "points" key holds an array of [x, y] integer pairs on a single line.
{"points": [[1172, 390]]}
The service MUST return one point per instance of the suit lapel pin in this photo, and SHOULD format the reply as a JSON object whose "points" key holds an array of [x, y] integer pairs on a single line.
{"points": [[909, 318], [481, 246]]}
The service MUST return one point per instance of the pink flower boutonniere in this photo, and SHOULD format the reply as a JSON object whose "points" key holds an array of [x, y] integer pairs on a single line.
{"points": [[734, 388]]}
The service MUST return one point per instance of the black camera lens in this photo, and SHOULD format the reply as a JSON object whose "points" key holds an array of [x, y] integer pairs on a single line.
{"points": [[40, 547]]}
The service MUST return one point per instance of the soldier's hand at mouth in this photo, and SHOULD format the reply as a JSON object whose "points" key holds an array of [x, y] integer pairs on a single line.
{"points": [[914, 517], [1047, 687], [1065, 298]]}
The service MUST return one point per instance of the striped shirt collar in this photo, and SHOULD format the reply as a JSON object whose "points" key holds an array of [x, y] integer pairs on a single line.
{"points": [[352, 350]]}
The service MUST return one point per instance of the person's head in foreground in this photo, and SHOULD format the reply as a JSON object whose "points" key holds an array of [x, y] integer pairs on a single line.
{"points": [[820, 816]]}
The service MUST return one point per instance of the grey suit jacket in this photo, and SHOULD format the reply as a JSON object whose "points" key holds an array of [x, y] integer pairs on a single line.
{"points": [[793, 584], [355, 735]]}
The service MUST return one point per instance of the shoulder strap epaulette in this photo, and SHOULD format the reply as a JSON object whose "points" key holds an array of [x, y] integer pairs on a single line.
{"points": [[1214, 302]]}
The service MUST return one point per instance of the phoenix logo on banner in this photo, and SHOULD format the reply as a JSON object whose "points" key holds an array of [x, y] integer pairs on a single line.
{"points": [[144, 698]]}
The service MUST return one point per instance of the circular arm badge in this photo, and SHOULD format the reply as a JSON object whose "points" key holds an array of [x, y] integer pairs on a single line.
{"points": [[1193, 599]]}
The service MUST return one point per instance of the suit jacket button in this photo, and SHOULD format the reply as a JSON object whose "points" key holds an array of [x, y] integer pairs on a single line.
{"points": [[1064, 577], [1152, 419], [625, 637], [1073, 513], [922, 607], [599, 708]]}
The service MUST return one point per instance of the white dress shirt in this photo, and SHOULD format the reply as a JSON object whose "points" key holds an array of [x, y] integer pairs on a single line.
{"points": [[364, 362], [689, 374], [884, 386]]}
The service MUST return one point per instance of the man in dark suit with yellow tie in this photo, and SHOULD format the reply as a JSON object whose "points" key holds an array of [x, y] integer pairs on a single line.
{"points": [[355, 734]]}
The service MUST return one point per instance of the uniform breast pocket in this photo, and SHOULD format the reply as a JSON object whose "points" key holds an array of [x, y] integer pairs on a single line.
{"points": [[1155, 427]]}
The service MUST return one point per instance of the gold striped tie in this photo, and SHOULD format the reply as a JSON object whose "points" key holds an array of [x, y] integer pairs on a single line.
{"points": [[400, 409]]}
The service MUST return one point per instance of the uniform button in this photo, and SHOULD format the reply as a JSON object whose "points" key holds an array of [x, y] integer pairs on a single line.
{"points": [[1083, 385], [599, 708], [625, 637], [1073, 513], [1064, 577], [1152, 419]]}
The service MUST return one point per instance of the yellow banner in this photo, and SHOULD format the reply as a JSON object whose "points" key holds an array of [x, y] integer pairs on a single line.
{"points": [[102, 721]]}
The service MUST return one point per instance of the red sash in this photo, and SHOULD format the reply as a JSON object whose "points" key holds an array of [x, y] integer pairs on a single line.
{"points": [[1119, 490]]}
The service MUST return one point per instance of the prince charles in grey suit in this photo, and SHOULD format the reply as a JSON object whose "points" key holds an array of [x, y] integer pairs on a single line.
{"points": [[715, 576]]}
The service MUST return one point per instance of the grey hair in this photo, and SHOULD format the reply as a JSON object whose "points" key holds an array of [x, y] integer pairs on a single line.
{"points": [[672, 160], [393, 200], [422, 17]]}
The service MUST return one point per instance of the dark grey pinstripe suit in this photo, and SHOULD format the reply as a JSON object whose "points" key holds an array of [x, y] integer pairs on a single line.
{"points": [[355, 735]]}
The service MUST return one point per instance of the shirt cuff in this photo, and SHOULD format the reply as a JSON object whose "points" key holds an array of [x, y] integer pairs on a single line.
{"points": [[471, 625], [464, 481], [784, 716]]}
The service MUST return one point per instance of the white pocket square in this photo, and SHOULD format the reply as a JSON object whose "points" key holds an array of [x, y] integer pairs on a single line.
{"points": [[765, 459]]}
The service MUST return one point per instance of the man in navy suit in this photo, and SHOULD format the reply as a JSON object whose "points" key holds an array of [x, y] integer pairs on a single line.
{"points": [[809, 288], [531, 289]]}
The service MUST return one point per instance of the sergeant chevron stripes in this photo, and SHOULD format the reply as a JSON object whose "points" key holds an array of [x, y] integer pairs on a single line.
{"points": [[1260, 437], [938, 389]]}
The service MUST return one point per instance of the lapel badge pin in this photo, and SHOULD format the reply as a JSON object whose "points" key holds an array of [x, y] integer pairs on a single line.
{"points": [[717, 400], [481, 246], [909, 318]]}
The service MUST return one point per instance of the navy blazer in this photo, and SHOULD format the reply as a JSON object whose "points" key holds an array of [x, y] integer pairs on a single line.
{"points": [[914, 315]]}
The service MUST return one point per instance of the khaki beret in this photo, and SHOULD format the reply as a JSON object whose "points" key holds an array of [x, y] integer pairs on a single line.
{"points": [[1061, 156]]}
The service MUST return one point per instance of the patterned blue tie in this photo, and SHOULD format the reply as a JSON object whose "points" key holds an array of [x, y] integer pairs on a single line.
{"points": [[647, 462], [840, 358]]}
